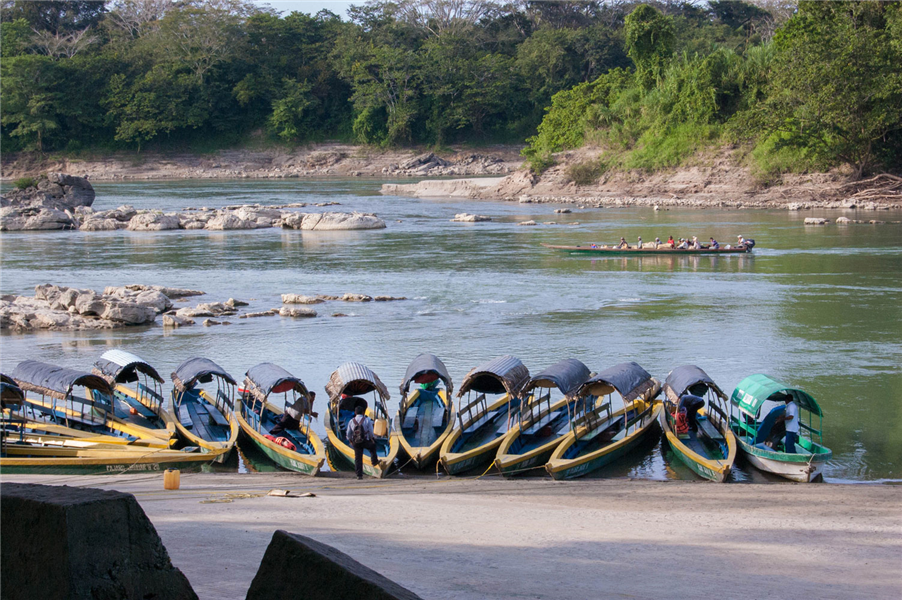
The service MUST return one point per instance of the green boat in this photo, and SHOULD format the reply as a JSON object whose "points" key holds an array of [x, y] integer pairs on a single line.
{"points": [[760, 436], [595, 249]]}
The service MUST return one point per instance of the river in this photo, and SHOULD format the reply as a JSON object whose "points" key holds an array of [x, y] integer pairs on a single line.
{"points": [[818, 307]]}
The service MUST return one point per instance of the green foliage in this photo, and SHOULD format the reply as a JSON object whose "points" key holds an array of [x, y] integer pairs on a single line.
{"points": [[649, 42], [290, 118], [24, 183], [585, 173]]}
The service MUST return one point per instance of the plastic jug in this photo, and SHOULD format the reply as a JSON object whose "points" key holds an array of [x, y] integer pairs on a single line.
{"points": [[171, 479]]}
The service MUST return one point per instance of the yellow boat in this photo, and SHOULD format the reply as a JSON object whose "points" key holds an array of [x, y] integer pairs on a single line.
{"points": [[711, 450], [346, 386], [425, 416], [205, 419], [75, 401], [137, 391], [482, 424], [598, 435], [257, 417], [541, 424]]}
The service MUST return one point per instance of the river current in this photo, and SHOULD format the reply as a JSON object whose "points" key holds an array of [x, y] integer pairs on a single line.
{"points": [[817, 307]]}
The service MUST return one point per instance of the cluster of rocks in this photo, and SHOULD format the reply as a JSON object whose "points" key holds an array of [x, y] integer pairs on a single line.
{"points": [[63, 308], [847, 221], [429, 164], [349, 297]]}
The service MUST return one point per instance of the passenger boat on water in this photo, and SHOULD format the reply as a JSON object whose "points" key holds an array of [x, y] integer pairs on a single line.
{"points": [[483, 423], [137, 391], [346, 386], [541, 425], [598, 434], [66, 403], [296, 449], [32, 446], [205, 418], [661, 249], [425, 415], [710, 449], [756, 405]]}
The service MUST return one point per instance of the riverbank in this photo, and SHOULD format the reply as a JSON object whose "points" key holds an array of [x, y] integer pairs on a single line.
{"points": [[490, 538]]}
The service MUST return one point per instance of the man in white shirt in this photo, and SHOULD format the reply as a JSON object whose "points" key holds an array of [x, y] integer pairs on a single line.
{"points": [[791, 418], [360, 435]]}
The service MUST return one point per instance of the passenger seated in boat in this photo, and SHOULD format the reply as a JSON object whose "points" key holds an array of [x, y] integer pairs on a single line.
{"points": [[691, 404], [714, 245], [670, 242], [657, 242], [291, 418], [695, 245], [639, 243], [623, 245], [683, 244]]}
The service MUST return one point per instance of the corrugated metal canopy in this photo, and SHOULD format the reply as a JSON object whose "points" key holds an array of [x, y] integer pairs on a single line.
{"points": [[424, 364], [56, 381], [187, 373], [628, 378], [266, 377], [10, 392], [121, 367], [499, 375], [566, 375], [354, 378], [754, 390], [688, 376]]}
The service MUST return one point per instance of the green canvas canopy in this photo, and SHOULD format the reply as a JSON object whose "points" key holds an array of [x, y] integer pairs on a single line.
{"points": [[754, 390]]}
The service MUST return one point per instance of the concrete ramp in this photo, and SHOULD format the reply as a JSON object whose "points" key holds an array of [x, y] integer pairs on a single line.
{"points": [[74, 543], [296, 567]]}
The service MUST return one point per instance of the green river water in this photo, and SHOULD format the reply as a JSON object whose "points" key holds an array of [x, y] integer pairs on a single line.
{"points": [[818, 307]]}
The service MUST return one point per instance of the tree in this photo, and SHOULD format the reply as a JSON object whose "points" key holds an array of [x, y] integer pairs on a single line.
{"points": [[57, 16], [649, 42], [290, 112], [31, 101]]}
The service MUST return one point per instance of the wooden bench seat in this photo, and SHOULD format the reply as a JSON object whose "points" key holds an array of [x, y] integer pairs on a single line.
{"points": [[217, 418]]}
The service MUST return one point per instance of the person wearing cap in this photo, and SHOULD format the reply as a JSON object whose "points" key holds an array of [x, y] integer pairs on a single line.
{"points": [[695, 245], [623, 245], [683, 245]]}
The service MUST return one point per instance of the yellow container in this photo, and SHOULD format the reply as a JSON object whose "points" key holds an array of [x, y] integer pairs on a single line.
{"points": [[380, 428], [171, 479]]}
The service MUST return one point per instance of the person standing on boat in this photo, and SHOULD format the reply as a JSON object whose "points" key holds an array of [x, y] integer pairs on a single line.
{"points": [[639, 244], [291, 418], [360, 434], [791, 418]]}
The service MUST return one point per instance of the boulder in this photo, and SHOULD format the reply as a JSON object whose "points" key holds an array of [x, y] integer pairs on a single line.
{"points": [[332, 221], [388, 298], [176, 321], [263, 313], [299, 299], [293, 562], [100, 224], [153, 221], [295, 312], [843, 220], [14, 218], [98, 543], [54, 190], [468, 218], [417, 161], [229, 221], [235, 303], [816, 221], [90, 304], [156, 300], [527, 223], [356, 298], [563, 211], [129, 313]]}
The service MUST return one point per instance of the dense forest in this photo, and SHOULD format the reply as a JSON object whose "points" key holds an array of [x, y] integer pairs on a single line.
{"points": [[804, 86]]}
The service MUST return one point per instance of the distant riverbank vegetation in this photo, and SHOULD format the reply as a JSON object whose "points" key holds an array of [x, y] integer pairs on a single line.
{"points": [[796, 87]]}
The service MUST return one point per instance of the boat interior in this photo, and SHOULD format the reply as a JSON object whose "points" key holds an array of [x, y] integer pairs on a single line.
{"points": [[346, 412], [770, 435], [202, 415], [482, 421], [540, 422], [424, 418], [262, 417], [597, 425]]}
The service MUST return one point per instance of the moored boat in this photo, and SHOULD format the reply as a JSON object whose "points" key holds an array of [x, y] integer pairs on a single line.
{"points": [[483, 422], [709, 449], [347, 384], [204, 418], [541, 425], [257, 415], [599, 435], [593, 249], [137, 390], [74, 403], [757, 404], [425, 415]]}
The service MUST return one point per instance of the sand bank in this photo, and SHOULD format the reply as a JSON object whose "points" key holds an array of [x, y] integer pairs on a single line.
{"points": [[534, 538]]}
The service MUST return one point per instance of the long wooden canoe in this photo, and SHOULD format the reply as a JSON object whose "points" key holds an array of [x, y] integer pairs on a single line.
{"points": [[658, 250], [425, 415]]}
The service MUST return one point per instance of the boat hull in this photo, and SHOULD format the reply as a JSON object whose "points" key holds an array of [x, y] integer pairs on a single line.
{"points": [[455, 463], [641, 251], [341, 455], [104, 462], [308, 464], [562, 468], [513, 464], [705, 467], [424, 456], [803, 468]]}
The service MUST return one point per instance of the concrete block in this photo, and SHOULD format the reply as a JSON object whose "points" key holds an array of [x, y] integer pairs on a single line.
{"points": [[74, 543], [296, 567]]}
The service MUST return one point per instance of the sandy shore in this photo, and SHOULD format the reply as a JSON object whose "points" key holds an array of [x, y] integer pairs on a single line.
{"points": [[474, 539]]}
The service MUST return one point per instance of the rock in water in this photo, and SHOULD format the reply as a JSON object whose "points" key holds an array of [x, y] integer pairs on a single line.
{"points": [[13, 218], [153, 221], [468, 218], [816, 221], [99, 543], [54, 190], [293, 562], [297, 312], [332, 221]]}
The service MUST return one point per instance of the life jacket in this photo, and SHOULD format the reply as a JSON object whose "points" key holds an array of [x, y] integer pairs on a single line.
{"points": [[282, 441], [682, 423]]}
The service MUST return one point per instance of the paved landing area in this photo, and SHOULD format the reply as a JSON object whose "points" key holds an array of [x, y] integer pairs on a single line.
{"points": [[535, 538]]}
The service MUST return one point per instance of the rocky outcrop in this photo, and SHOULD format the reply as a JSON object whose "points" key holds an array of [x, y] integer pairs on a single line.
{"points": [[137, 287], [468, 218], [154, 221], [13, 218], [816, 221], [295, 312], [332, 221], [228, 221], [299, 299], [53, 190]]}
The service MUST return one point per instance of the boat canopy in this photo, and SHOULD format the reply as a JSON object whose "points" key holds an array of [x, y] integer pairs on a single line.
{"points": [[426, 368], [54, 381], [10, 392], [119, 366], [628, 378], [266, 378], [499, 375], [566, 375], [198, 369], [754, 390], [354, 378], [684, 379]]}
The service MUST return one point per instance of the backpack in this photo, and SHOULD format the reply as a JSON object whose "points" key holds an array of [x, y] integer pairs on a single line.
{"points": [[358, 436]]}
